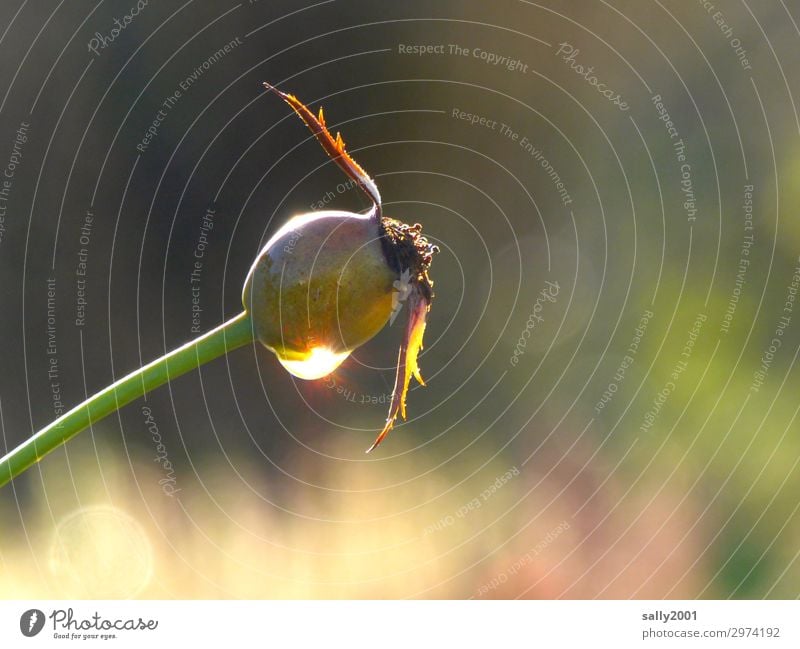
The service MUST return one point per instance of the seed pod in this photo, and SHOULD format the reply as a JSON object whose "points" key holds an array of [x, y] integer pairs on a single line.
{"points": [[328, 281], [320, 288]]}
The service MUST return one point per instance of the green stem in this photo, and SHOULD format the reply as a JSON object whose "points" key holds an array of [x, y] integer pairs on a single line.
{"points": [[230, 335]]}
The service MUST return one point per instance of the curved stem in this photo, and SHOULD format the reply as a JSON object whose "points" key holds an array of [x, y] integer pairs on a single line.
{"points": [[228, 336]]}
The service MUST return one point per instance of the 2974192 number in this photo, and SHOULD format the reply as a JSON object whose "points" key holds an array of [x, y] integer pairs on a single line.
{"points": [[754, 632]]}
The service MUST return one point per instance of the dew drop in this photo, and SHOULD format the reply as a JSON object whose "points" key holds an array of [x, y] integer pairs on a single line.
{"points": [[319, 362]]}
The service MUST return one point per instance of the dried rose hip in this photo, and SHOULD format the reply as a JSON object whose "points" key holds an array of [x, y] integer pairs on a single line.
{"points": [[328, 281]]}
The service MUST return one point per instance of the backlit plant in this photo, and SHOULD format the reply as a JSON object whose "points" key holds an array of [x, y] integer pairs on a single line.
{"points": [[323, 285]]}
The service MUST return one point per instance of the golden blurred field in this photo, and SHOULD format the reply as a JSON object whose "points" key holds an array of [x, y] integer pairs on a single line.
{"points": [[608, 413]]}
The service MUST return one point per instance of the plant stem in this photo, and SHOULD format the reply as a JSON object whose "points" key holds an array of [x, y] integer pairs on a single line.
{"points": [[230, 335]]}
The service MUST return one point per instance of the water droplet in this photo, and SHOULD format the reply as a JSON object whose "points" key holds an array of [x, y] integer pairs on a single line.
{"points": [[319, 362]]}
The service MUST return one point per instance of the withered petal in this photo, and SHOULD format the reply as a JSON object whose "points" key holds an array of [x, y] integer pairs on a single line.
{"points": [[334, 147], [407, 358]]}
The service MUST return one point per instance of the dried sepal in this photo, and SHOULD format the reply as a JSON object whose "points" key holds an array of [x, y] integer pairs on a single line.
{"points": [[407, 359], [334, 147], [407, 253], [410, 255]]}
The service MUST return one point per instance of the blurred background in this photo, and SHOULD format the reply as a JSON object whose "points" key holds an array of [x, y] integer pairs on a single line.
{"points": [[611, 408]]}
